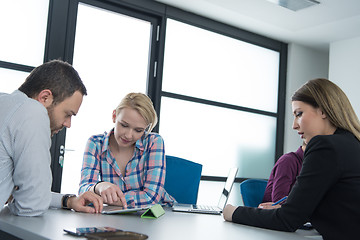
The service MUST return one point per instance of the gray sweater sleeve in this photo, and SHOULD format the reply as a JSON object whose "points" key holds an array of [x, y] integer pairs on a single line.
{"points": [[30, 141]]}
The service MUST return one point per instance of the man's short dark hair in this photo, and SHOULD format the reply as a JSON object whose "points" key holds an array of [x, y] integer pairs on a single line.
{"points": [[57, 76]]}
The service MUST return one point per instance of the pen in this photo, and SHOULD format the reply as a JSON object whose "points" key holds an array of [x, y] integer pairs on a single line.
{"points": [[280, 201]]}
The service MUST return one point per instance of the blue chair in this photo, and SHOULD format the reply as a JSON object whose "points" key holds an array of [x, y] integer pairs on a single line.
{"points": [[252, 191], [182, 179]]}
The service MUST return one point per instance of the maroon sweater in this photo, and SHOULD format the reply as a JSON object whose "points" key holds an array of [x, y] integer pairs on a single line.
{"points": [[283, 176]]}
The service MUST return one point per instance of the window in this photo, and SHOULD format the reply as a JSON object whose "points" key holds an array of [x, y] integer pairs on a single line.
{"points": [[23, 31], [22, 41], [111, 55], [11, 80], [218, 90], [219, 101], [215, 67]]}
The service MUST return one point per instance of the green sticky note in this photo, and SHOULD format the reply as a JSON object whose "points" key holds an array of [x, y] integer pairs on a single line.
{"points": [[155, 211]]}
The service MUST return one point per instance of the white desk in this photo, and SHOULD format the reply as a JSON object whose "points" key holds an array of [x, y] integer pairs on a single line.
{"points": [[172, 226]]}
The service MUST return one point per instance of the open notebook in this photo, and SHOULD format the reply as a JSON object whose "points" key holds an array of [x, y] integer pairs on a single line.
{"points": [[195, 208]]}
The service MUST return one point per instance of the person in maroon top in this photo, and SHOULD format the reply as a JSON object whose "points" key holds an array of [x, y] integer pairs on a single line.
{"points": [[283, 175]]}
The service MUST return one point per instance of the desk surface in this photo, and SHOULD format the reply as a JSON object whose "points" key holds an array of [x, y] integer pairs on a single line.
{"points": [[172, 225]]}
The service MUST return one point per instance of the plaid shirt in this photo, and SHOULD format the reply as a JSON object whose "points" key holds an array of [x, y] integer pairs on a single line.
{"points": [[144, 179]]}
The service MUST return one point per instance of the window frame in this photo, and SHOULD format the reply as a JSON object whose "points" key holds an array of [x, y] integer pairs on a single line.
{"points": [[60, 45], [242, 35]]}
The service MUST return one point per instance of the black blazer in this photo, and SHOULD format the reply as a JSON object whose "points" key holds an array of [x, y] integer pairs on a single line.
{"points": [[326, 193]]}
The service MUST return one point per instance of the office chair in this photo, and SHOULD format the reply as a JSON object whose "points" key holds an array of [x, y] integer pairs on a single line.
{"points": [[252, 191], [182, 179]]}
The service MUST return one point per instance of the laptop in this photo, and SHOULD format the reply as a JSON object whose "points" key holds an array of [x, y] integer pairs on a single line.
{"points": [[107, 209], [195, 208]]}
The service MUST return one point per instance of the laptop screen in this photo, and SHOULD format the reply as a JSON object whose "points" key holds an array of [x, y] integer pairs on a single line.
{"points": [[227, 188]]}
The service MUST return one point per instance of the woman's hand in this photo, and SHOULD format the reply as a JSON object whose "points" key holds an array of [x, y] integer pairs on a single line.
{"points": [[111, 194], [268, 205], [228, 212]]}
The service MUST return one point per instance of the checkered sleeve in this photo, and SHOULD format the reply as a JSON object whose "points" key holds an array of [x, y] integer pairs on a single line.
{"points": [[90, 170]]}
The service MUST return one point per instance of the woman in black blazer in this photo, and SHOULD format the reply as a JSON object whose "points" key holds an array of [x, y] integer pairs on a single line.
{"points": [[327, 191]]}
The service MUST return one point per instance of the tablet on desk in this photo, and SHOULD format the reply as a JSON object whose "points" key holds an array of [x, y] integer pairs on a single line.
{"points": [[82, 231], [105, 233], [117, 209]]}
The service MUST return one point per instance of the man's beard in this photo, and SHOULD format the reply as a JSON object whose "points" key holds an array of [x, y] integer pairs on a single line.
{"points": [[53, 128]]}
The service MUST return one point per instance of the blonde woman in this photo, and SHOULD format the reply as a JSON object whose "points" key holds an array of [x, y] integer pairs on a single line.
{"points": [[126, 166], [327, 191]]}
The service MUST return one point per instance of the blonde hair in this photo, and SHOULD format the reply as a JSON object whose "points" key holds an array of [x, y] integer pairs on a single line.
{"points": [[143, 105], [326, 95]]}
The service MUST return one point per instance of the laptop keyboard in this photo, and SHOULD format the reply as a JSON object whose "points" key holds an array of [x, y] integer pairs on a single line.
{"points": [[205, 207]]}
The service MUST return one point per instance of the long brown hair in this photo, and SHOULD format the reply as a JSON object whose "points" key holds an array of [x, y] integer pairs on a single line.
{"points": [[326, 95]]}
